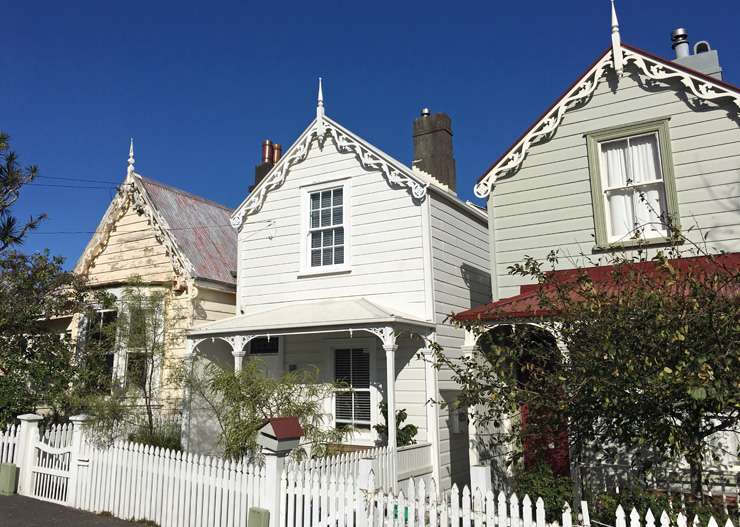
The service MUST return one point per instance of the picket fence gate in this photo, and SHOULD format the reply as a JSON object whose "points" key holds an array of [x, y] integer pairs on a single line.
{"points": [[52, 463]]}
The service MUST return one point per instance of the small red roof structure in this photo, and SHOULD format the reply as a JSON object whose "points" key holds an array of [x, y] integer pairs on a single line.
{"points": [[282, 428], [527, 303]]}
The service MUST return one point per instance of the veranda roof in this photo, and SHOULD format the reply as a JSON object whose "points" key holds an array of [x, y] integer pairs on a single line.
{"points": [[350, 312], [527, 303]]}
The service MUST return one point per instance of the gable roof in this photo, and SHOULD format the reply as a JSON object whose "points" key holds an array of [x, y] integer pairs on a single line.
{"points": [[201, 229], [318, 131], [195, 231], [652, 66], [371, 158]]}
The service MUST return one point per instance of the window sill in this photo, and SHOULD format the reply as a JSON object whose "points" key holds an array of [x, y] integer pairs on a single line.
{"points": [[661, 241], [325, 272]]}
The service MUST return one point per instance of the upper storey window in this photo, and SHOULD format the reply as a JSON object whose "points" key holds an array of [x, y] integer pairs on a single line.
{"points": [[632, 184], [326, 228]]}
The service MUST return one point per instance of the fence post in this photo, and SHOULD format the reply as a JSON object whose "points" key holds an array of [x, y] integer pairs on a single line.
{"points": [[274, 466], [365, 491], [28, 435], [78, 423], [480, 478]]}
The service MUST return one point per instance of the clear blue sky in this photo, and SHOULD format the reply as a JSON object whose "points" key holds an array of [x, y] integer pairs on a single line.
{"points": [[199, 85]]}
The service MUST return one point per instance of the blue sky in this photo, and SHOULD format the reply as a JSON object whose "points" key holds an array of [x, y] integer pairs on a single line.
{"points": [[200, 85]]}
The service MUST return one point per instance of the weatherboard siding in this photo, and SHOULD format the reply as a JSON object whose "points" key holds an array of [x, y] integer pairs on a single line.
{"points": [[386, 241], [546, 205], [461, 273], [132, 250]]}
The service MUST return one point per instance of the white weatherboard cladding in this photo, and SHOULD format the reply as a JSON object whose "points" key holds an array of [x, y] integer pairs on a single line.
{"points": [[460, 262], [385, 245], [547, 203]]}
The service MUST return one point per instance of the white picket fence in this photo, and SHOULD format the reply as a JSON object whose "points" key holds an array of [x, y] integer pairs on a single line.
{"points": [[311, 499], [8, 440], [134, 481], [412, 461]]}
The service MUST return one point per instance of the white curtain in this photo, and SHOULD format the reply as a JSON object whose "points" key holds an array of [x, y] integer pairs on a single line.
{"points": [[645, 164], [620, 203], [634, 162]]}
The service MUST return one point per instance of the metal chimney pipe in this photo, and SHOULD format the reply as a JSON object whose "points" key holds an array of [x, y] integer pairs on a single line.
{"points": [[680, 39], [277, 153], [267, 151]]}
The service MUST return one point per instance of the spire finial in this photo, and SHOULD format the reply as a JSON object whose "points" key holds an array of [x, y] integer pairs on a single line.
{"points": [[131, 159], [616, 42], [320, 100]]}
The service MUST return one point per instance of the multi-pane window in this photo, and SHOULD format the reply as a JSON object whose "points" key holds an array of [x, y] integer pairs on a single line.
{"points": [[633, 186], [352, 372], [326, 227], [100, 344], [632, 183]]}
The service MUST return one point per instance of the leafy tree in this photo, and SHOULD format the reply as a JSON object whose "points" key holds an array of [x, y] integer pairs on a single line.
{"points": [[37, 359], [652, 366], [141, 378], [12, 179], [404, 433], [242, 401]]}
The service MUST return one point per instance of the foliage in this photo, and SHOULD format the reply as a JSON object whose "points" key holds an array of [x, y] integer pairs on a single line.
{"points": [[12, 179], [133, 345], [540, 482], [37, 361], [165, 435], [404, 434], [242, 401], [652, 365]]}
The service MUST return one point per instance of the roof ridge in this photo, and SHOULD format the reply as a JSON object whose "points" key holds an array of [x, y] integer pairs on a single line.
{"points": [[185, 193]]}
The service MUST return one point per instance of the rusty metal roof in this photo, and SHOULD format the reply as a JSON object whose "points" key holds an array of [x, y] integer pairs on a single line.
{"points": [[201, 229]]}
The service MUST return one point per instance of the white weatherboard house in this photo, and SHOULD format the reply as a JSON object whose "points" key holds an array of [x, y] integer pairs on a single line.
{"points": [[632, 124], [350, 261]]}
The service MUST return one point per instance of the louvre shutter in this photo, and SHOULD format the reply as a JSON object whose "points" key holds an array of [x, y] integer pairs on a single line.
{"points": [[352, 367]]}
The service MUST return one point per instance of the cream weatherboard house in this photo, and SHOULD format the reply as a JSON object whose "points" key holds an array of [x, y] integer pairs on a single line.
{"points": [[171, 241], [350, 262], [632, 124]]}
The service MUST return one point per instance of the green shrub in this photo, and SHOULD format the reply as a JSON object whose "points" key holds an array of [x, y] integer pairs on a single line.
{"points": [[540, 482], [163, 436]]}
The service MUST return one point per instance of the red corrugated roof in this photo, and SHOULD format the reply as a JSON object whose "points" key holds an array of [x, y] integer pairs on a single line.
{"points": [[527, 303], [201, 229]]}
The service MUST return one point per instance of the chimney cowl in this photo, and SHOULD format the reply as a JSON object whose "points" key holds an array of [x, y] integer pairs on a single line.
{"points": [[680, 42]]}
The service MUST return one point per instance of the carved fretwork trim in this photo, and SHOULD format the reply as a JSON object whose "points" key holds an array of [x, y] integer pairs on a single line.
{"points": [[320, 131], [132, 195], [654, 69]]}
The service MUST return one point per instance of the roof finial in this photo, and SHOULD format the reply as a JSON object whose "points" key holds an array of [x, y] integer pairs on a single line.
{"points": [[616, 42], [320, 101], [131, 159]]}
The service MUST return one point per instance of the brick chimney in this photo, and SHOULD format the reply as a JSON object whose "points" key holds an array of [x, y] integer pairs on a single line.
{"points": [[432, 136]]}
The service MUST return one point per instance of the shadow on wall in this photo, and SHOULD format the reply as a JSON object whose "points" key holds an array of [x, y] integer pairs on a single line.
{"points": [[478, 283], [454, 420], [204, 430]]}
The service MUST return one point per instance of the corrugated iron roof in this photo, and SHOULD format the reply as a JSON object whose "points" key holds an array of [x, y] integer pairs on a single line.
{"points": [[201, 229], [527, 304]]}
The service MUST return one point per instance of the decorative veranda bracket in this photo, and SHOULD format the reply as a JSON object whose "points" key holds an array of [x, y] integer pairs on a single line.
{"points": [[322, 130], [652, 68]]}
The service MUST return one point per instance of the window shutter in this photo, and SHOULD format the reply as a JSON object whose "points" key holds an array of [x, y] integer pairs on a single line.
{"points": [[352, 367]]}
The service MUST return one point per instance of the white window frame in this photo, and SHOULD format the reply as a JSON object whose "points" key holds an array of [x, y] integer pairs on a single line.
{"points": [[358, 436], [305, 245]]}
